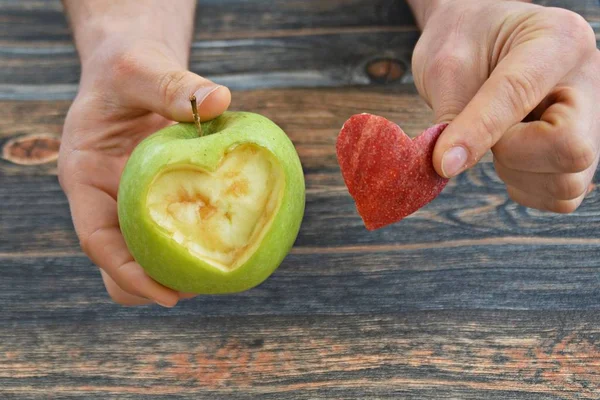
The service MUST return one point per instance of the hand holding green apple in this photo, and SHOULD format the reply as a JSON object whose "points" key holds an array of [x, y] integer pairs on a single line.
{"points": [[209, 214], [129, 90]]}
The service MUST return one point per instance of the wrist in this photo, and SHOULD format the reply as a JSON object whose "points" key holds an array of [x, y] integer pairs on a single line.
{"points": [[422, 9], [100, 27], [103, 48], [102, 43]]}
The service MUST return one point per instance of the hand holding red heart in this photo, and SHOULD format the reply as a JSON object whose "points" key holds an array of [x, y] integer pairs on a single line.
{"points": [[519, 79]]}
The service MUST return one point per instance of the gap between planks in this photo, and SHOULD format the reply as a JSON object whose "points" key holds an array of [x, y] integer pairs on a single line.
{"points": [[380, 248], [282, 33], [390, 383]]}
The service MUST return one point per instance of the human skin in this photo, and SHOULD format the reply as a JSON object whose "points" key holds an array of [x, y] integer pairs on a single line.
{"points": [[483, 66], [517, 78], [134, 81]]}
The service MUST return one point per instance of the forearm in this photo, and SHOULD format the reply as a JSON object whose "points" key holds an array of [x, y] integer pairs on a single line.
{"points": [[97, 22], [422, 9]]}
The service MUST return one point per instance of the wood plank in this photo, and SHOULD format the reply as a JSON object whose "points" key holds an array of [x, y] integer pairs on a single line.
{"points": [[473, 297], [423, 355], [35, 216], [44, 20], [473, 206], [258, 45], [332, 58], [481, 275], [312, 118], [588, 8], [238, 44]]}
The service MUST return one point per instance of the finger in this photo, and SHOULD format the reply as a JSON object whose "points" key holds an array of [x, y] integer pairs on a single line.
{"points": [[163, 87], [544, 203], [516, 86], [557, 186], [564, 140], [96, 223], [120, 296]]}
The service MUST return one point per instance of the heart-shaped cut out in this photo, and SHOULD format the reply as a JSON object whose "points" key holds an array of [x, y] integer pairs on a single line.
{"points": [[389, 175], [219, 216]]}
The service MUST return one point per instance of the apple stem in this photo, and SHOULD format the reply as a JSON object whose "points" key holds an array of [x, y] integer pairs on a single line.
{"points": [[196, 115]]}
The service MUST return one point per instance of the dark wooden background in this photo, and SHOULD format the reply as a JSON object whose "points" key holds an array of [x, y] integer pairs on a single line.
{"points": [[474, 297]]}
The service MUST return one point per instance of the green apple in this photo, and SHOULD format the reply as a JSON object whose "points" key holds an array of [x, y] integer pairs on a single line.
{"points": [[215, 212]]}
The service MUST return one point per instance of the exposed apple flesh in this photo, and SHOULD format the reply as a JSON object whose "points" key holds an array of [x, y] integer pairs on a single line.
{"points": [[219, 216]]}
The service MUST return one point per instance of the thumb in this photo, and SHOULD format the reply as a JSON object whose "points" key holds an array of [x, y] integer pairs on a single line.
{"points": [[519, 83], [166, 89]]}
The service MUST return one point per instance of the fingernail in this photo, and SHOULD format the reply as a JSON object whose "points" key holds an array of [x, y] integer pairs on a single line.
{"points": [[454, 161], [203, 93], [164, 304], [591, 188]]}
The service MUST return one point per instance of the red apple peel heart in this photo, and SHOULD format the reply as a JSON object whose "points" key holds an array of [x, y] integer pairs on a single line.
{"points": [[388, 174]]}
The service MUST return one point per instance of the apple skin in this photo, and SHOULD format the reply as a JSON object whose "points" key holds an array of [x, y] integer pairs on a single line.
{"points": [[389, 175], [169, 262]]}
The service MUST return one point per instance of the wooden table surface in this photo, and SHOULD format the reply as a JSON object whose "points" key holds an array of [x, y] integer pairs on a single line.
{"points": [[473, 297]]}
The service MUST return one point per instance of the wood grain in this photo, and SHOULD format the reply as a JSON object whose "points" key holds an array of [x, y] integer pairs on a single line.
{"points": [[262, 44], [424, 355], [239, 44], [311, 118], [43, 20], [475, 206], [298, 58], [473, 297], [509, 274], [486, 254]]}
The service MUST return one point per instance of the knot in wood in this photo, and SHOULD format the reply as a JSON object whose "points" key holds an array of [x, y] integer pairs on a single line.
{"points": [[385, 70], [32, 149]]}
